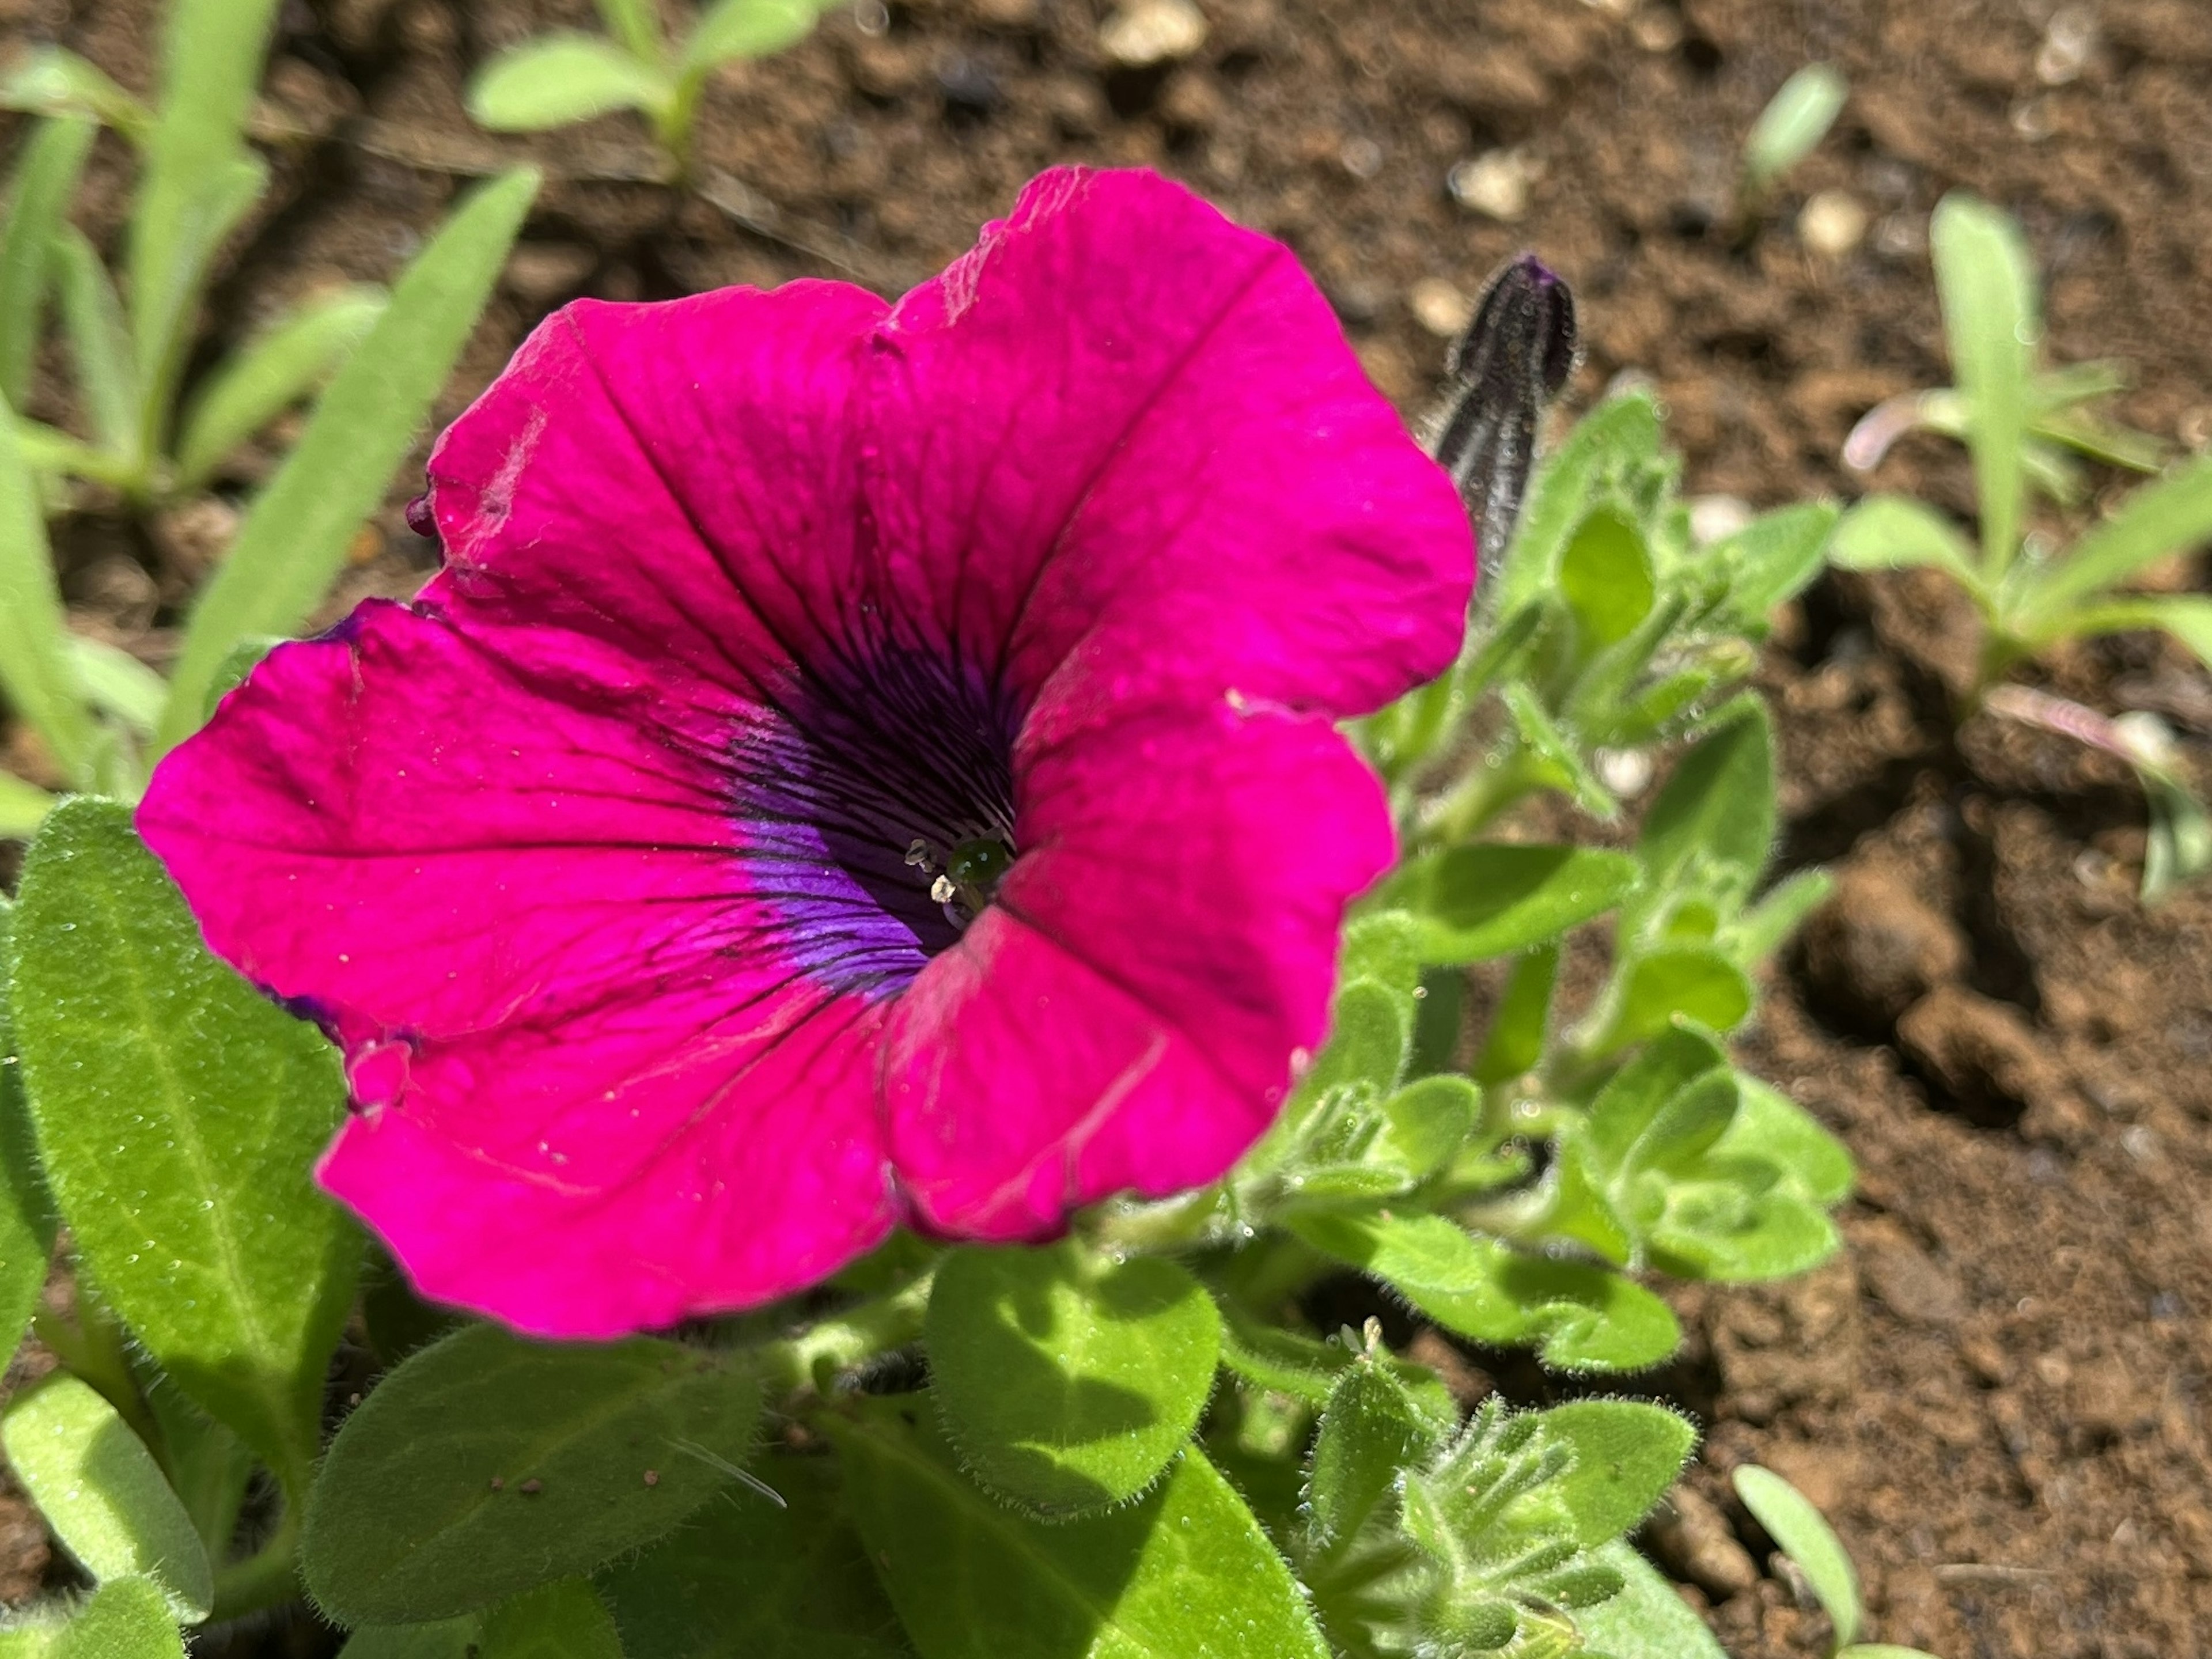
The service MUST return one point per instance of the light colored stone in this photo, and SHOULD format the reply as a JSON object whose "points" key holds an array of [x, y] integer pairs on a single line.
{"points": [[1148, 32], [1831, 224], [1495, 184], [1439, 307]]}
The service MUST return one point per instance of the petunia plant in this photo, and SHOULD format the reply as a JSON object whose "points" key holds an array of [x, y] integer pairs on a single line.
{"points": [[918, 960], [2025, 427]]}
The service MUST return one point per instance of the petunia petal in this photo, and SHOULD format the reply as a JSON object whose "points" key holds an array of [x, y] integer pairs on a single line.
{"points": [[1123, 448], [1126, 1015], [499, 865], [678, 479]]}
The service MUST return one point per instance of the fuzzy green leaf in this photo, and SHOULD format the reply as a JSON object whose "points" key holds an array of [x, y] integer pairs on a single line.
{"points": [[1068, 1381], [558, 79], [1517, 1030], [1619, 434], [1372, 1426], [99, 342], [26, 1222], [1496, 899], [1770, 1126], [1774, 557], [125, 1618], [258, 382], [49, 81], [104, 1495], [1647, 1619], [1689, 981], [443, 1639], [749, 1580], [1605, 576], [1986, 282], [38, 208], [1580, 1317], [1425, 1123], [296, 533], [564, 1620], [747, 29], [1792, 124], [486, 1465], [1187, 1573], [141, 1051], [1712, 825], [2171, 514], [1806, 1537], [1627, 1453]]}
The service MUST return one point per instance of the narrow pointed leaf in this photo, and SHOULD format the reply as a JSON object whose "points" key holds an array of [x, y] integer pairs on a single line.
{"points": [[295, 535], [1792, 124], [23, 807], [1889, 532], [100, 341], [267, 375], [1987, 284], [1069, 1381], [49, 81], [142, 1051], [1806, 1537], [1473, 903], [1187, 1573], [2172, 515], [486, 1465], [747, 29], [560, 78], [1373, 1426], [118, 684], [38, 207], [34, 665], [103, 1494]]}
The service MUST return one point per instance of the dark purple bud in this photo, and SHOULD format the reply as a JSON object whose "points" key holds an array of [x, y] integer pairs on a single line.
{"points": [[1515, 355], [420, 520]]}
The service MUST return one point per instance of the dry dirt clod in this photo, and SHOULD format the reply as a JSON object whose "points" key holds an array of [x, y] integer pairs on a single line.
{"points": [[1911, 1283], [1692, 1540], [1877, 946], [1982, 1053]]}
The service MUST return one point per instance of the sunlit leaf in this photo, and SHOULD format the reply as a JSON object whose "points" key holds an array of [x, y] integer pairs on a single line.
{"points": [[560, 78], [38, 207], [1806, 1537], [260, 379], [1991, 318]]}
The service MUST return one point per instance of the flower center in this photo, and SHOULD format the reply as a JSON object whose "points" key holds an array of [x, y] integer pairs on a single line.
{"points": [[876, 810]]}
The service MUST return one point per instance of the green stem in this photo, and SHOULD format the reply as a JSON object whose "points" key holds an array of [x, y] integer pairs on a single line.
{"points": [[268, 1577], [1487, 790], [846, 1340]]}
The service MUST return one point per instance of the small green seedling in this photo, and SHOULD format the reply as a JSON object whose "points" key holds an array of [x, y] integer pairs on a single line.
{"points": [[1807, 1540], [2018, 421], [559, 79], [1788, 130], [130, 340]]}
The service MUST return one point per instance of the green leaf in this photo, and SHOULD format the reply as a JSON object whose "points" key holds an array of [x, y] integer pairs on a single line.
{"points": [[126, 1619], [1767, 925], [1792, 125], [1627, 1453], [1494, 899], [1770, 1126], [1580, 1317], [199, 180], [210, 1467], [1383, 945], [26, 1223], [262, 379], [749, 1580], [103, 1494], [445, 1638], [1516, 1041], [1712, 826], [1557, 759], [34, 667], [116, 684], [23, 807], [636, 24], [1772, 559], [1647, 1619], [1889, 532], [486, 1465], [2171, 514], [1792, 1522], [142, 1051], [1605, 576], [296, 533], [38, 208], [1620, 433], [564, 1620], [747, 29], [1068, 1381], [100, 341], [48, 81], [2187, 617], [1368, 1033], [1688, 981], [2180, 845], [1372, 1427], [1620, 1119], [1425, 1123], [558, 79], [1186, 1573], [1987, 284]]}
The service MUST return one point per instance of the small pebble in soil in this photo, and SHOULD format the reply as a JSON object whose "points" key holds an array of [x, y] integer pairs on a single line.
{"points": [[498, 1484], [1716, 518], [2068, 40], [1439, 307], [1495, 184], [652, 1477], [1900, 236], [1657, 29], [531, 1488], [1148, 32], [1831, 224], [1361, 157]]}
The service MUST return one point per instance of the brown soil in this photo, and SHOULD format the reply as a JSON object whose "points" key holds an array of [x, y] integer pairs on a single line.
{"points": [[2001, 1395]]}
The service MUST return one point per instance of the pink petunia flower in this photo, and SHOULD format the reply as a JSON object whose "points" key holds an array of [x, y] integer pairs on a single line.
{"points": [[860, 764]]}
